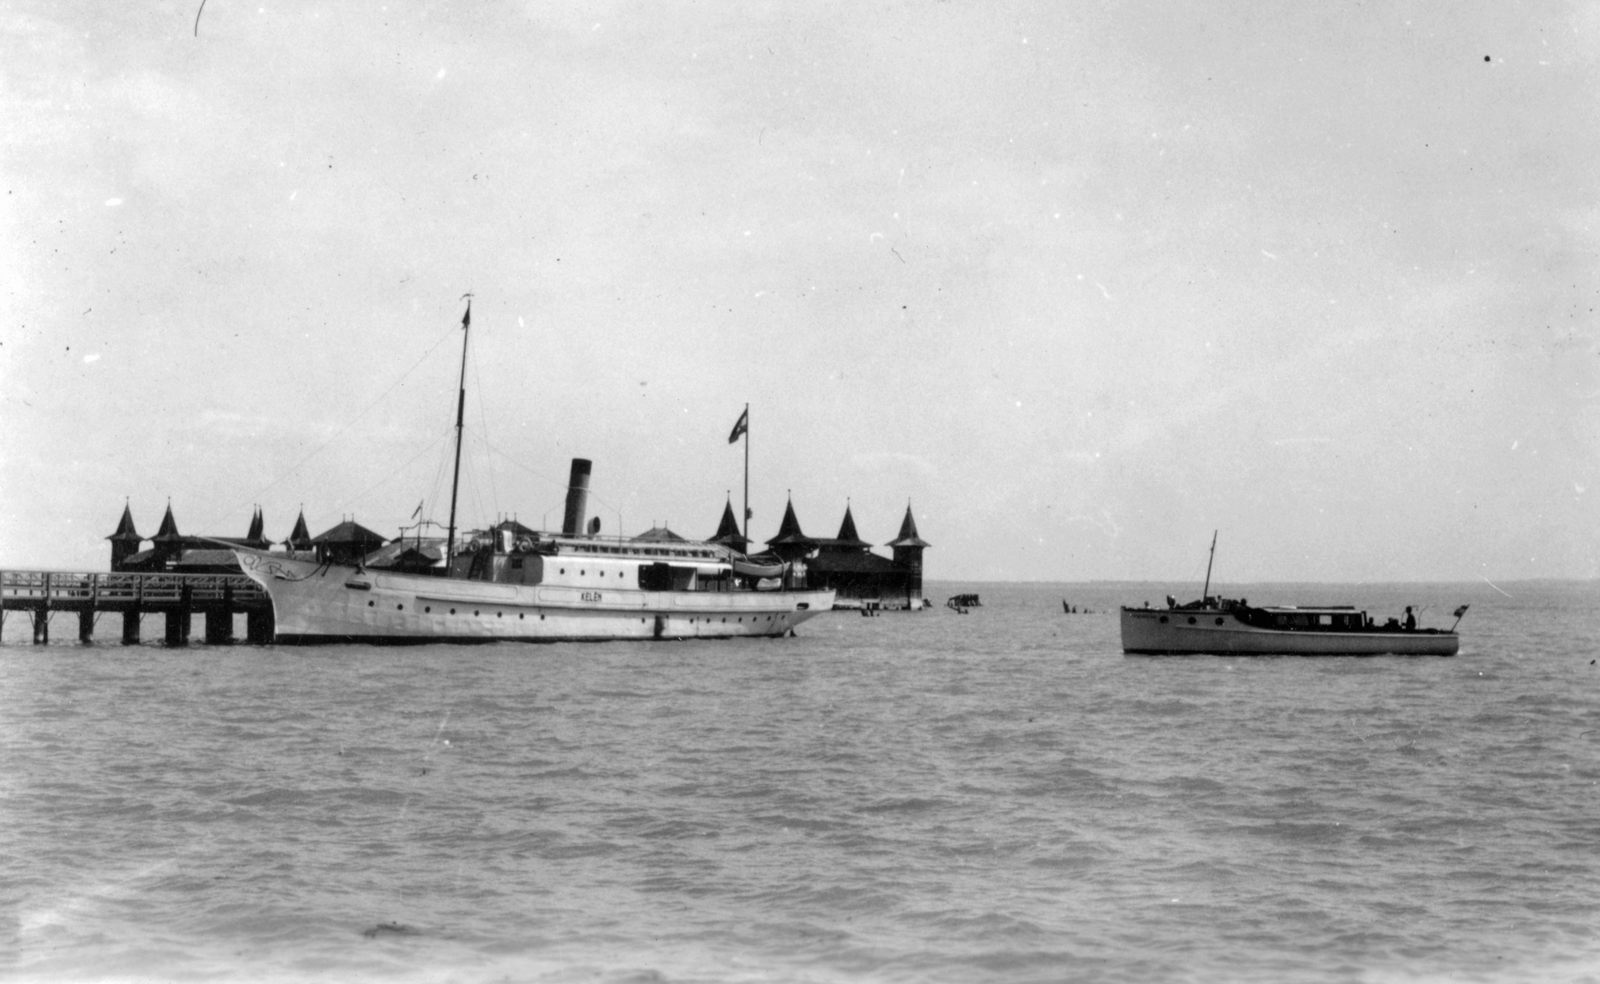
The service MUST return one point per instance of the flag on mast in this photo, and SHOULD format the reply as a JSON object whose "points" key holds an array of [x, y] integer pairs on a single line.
{"points": [[740, 427]]}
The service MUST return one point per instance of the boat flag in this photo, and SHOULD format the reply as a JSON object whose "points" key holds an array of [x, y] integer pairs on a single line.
{"points": [[740, 427], [418, 511], [1461, 611]]}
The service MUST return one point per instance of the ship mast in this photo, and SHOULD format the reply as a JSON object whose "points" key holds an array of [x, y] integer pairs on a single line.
{"points": [[1205, 593], [461, 406]]}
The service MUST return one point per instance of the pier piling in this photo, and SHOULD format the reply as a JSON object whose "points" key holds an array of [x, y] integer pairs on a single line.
{"points": [[258, 625], [176, 597], [130, 627]]}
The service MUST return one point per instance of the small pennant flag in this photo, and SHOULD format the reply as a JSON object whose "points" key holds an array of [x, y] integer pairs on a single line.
{"points": [[1461, 611], [741, 427]]}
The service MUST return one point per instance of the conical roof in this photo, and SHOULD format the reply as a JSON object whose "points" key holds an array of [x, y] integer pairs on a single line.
{"points": [[847, 532], [125, 530], [728, 530], [908, 533], [169, 528], [254, 533], [299, 537], [789, 529]]}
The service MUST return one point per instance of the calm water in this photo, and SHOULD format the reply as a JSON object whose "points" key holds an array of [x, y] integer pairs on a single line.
{"points": [[999, 796]]}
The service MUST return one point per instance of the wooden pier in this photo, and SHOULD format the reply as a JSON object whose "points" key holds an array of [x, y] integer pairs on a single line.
{"points": [[178, 597]]}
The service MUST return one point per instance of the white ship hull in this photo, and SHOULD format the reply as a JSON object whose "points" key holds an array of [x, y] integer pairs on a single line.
{"points": [[325, 603], [1210, 631]]}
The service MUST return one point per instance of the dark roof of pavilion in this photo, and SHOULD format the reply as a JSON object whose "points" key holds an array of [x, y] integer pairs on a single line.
{"points": [[728, 530], [350, 531], [659, 534], [125, 530], [299, 537], [516, 528], [206, 557], [789, 530], [848, 539], [169, 528], [908, 533]]}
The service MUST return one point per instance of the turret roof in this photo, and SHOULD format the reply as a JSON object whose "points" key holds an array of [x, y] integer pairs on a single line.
{"points": [[169, 528], [908, 533], [728, 530], [299, 537], [125, 530], [789, 529], [847, 539]]}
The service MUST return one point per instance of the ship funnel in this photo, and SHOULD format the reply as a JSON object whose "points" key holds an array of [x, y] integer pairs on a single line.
{"points": [[577, 497]]}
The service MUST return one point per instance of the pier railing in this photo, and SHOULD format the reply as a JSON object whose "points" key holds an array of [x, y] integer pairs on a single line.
{"points": [[70, 590], [176, 597]]}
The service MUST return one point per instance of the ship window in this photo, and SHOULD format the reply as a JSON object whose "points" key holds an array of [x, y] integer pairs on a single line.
{"points": [[476, 612], [452, 611], [399, 608], [522, 616], [1163, 620], [1325, 619], [1191, 619], [581, 573], [563, 570], [427, 608], [1219, 621], [371, 603]]}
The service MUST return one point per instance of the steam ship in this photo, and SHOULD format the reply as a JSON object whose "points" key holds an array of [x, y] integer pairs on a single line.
{"points": [[514, 583]]}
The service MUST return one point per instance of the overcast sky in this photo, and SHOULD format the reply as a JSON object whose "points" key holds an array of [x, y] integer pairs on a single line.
{"points": [[1080, 282]]}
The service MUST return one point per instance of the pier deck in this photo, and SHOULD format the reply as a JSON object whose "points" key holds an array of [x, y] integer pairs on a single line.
{"points": [[176, 596]]}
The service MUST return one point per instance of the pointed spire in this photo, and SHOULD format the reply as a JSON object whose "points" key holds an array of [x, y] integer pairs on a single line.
{"points": [[728, 530], [125, 530], [789, 529], [848, 537], [169, 528], [254, 534], [300, 537], [908, 533]]}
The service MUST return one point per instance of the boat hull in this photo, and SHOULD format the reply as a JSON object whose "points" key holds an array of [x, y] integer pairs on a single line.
{"points": [[331, 603], [1201, 632]]}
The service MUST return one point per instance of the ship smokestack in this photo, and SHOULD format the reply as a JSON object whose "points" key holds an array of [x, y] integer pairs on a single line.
{"points": [[577, 497]]}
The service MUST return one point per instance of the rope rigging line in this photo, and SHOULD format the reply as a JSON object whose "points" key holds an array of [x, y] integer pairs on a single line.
{"points": [[261, 493]]}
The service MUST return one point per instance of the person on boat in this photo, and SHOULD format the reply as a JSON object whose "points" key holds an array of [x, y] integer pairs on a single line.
{"points": [[1411, 620]]}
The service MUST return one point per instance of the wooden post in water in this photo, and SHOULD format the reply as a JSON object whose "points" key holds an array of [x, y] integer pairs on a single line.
{"points": [[178, 619], [41, 625], [219, 621], [130, 627], [258, 625], [86, 625]]}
